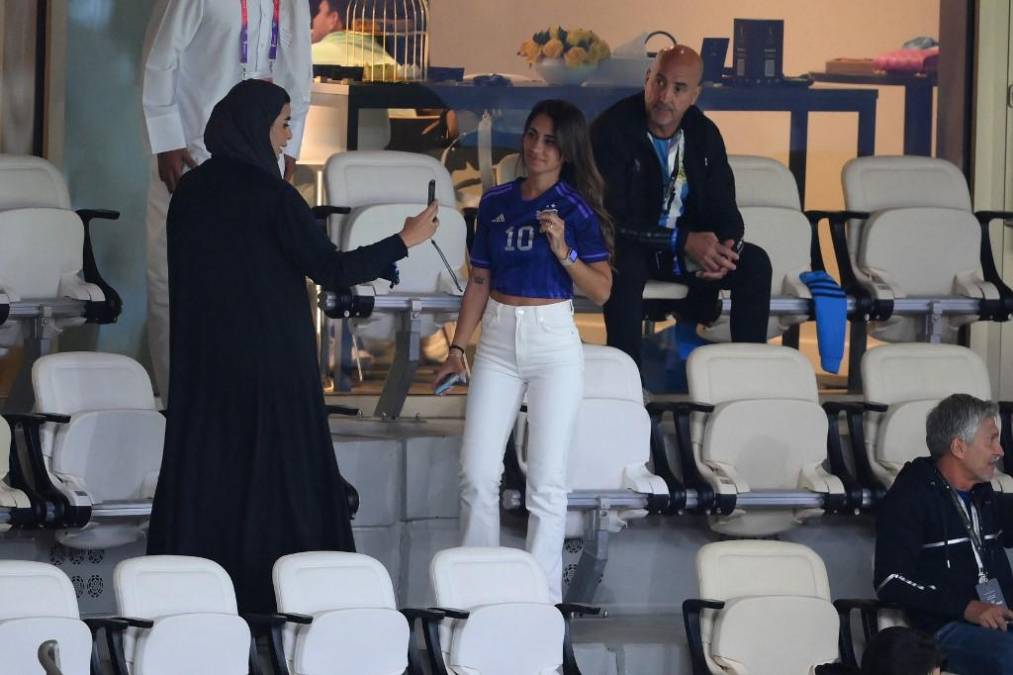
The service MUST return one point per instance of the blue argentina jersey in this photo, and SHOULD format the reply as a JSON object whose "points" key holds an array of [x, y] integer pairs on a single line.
{"points": [[509, 243]]}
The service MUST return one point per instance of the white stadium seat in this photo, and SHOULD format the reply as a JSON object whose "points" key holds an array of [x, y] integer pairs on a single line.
{"points": [[45, 258], [608, 456], [10, 497], [764, 430], [110, 448], [512, 626], [913, 204], [37, 604], [355, 621], [766, 609], [190, 606], [382, 188], [910, 379], [767, 197]]}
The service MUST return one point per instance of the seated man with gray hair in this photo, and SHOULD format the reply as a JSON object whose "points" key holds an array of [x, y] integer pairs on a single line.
{"points": [[940, 537]]}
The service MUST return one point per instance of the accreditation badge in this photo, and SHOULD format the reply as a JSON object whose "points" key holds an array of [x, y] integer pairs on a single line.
{"points": [[990, 592]]}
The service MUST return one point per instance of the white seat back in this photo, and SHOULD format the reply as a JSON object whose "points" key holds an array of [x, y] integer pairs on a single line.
{"points": [[365, 178], [37, 603], [613, 429], [921, 199], [31, 182], [882, 182], [767, 430], [73, 382], [517, 628], [355, 617], [911, 379], [767, 196], [112, 447], [951, 239], [423, 270], [193, 604], [759, 580], [611, 441], [40, 248]]}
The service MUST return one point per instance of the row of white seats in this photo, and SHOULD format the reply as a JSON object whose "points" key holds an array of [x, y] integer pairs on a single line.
{"points": [[890, 202], [47, 267], [178, 614], [337, 612], [753, 425], [752, 429]]}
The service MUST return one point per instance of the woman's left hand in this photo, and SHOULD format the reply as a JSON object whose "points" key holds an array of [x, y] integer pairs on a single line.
{"points": [[555, 229]]}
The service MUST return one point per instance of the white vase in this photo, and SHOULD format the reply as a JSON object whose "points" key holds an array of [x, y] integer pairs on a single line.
{"points": [[555, 71]]}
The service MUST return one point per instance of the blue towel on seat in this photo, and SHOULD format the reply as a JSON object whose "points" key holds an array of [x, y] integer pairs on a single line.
{"points": [[830, 305]]}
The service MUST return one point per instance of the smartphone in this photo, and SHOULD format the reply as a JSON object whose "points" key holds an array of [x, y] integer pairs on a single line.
{"points": [[430, 199], [444, 386]]}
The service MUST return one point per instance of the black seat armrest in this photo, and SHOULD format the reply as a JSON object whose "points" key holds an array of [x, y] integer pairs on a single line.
{"points": [[108, 310], [986, 217], [569, 610], [869, 609], [855, 411], [88, 215], [114, 627], [691, 609], [51, 506], [430, 619], [95, 624], [270, 626], [1001, 309], [325, 211], [344, 410], [451, 613], [707, 500]]}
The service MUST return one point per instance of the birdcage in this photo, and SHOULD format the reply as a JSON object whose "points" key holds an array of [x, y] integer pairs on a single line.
{"points": [[389, 39]]}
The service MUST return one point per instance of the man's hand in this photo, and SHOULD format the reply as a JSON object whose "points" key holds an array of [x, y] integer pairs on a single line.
{"points": [[987, 615], [289, 168], [171, 165], [715, 258]]}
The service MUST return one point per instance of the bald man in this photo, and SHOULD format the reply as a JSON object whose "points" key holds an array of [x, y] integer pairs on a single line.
{"points": [[671, 193]]}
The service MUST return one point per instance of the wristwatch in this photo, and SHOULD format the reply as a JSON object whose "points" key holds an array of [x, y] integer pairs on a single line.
{"points": [[570, 258]]}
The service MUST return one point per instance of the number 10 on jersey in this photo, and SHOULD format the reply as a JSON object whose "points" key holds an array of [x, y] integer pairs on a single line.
{"points": [[525, 238]]}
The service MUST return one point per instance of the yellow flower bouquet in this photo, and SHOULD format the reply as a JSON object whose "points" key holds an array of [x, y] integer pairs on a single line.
{"points": [[565, 56]]}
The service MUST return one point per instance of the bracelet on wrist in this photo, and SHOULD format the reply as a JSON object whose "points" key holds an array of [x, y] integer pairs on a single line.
{"points": [[458, 348]]}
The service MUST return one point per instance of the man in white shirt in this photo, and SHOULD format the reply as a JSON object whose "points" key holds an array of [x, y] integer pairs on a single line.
{"points": [[333, 45], [197, 51]]}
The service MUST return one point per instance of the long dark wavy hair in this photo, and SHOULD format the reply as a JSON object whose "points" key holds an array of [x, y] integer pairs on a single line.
{"points": [[579, 170]]}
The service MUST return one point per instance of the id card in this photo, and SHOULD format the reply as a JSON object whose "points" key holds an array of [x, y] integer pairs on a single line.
{"points": [[990, 592]]}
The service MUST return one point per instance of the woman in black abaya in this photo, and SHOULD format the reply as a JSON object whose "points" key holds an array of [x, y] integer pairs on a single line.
{"points": [[249, 472]]}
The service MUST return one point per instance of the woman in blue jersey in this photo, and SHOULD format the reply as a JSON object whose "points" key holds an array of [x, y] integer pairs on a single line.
{"points": [[536, 238]]}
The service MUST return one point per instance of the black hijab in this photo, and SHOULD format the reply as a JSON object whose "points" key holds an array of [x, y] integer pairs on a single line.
{"points": [[240, 124]]}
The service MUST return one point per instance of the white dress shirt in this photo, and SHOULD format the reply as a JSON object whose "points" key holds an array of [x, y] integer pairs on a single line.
{"points": [[194, 59]]}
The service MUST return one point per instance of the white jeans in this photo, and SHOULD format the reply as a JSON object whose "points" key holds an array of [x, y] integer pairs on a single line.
{"points": [[158, 282], [536, 349]]}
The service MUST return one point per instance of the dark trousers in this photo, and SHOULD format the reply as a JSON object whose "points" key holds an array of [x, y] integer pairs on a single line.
{"points": [[636, 263], [973, 650]]}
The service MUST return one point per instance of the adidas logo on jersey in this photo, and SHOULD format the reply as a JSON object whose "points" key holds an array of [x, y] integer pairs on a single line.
{"points": [[499, 219]]}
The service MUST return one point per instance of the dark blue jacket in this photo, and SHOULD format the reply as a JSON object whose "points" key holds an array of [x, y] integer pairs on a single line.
{"points": [[633, 180], [924, 560]]}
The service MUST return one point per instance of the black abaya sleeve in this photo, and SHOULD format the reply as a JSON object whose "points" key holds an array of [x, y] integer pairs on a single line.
{"points": [[306, 244]]}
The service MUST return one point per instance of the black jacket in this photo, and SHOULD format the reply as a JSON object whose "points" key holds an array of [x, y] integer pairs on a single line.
{"points": [[633, 180], [924, 560]]}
